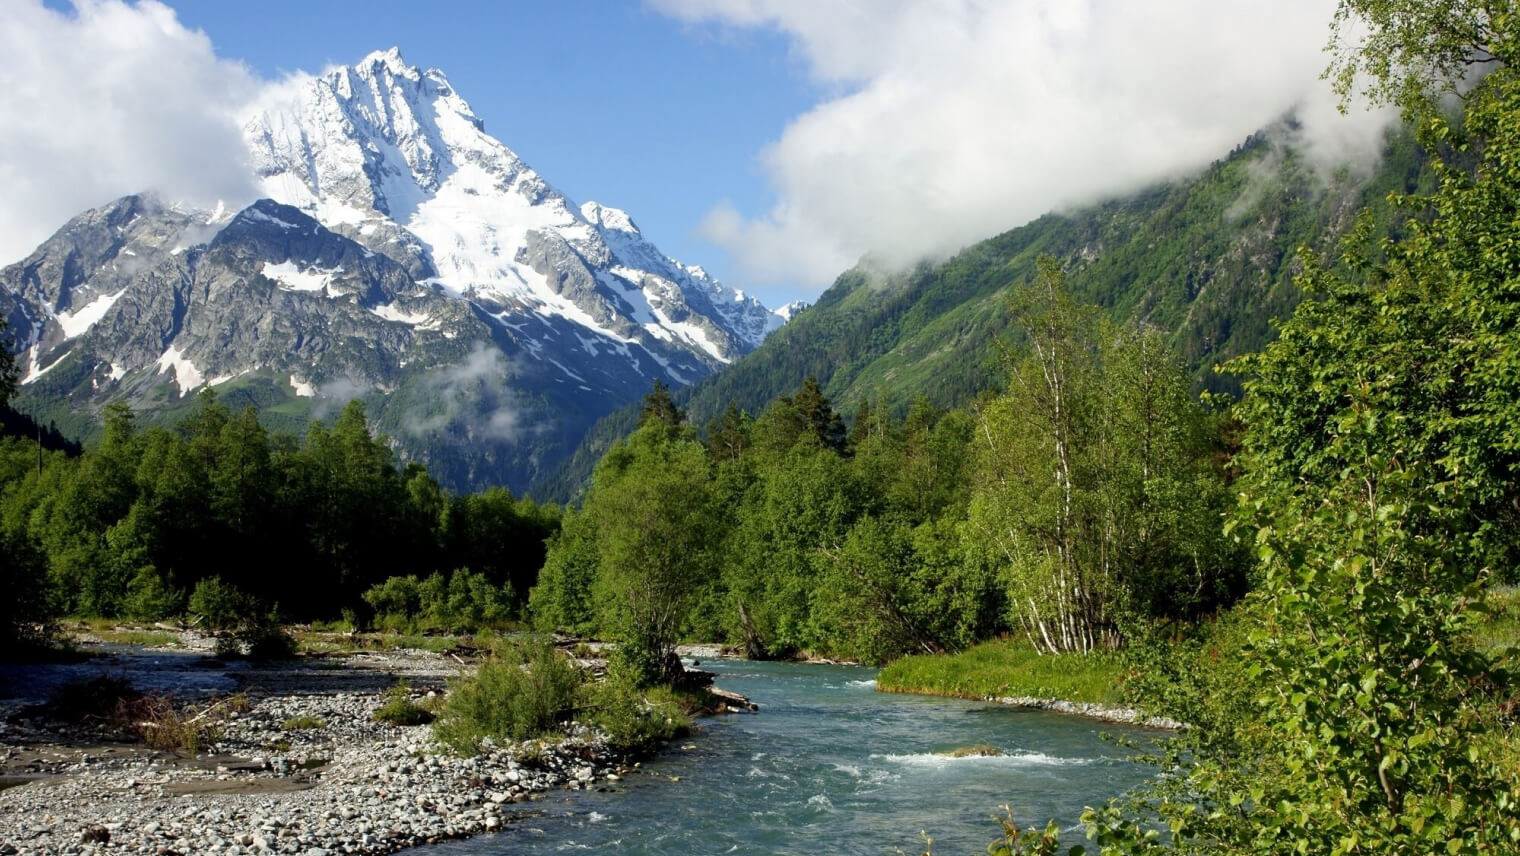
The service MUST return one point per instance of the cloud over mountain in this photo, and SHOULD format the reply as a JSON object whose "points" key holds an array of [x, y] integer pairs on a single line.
{"points": [[110, 99], [957, 120]]}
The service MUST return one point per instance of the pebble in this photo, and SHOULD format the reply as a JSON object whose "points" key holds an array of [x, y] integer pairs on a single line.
{"points": [[1104, 713], [370, 788]]}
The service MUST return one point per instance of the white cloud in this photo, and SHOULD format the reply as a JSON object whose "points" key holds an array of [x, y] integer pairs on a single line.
{"points": [[106, 100], [475, 396], [958, 119]]}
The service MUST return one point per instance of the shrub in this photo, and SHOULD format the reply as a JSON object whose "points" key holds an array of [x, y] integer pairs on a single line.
{"points": [[160, 723], [267, 639], [399, 709], [635, 719], [218, 605], [464, 601], [150, 597], [396, 596], [524, 690]]}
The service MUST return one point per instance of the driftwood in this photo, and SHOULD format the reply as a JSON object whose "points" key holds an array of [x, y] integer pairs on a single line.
{"points": [[729, 702]]}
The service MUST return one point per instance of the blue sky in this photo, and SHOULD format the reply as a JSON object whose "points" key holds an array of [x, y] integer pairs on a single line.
{"points": [[775, 142]]}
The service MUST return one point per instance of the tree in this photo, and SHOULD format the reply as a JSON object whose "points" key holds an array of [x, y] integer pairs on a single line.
{"points": [[660, 408], [819, 421], [728, 435], [1378, 485], [1414, 52], [1096, 488], [1034, 499], [8, 375], [656, 533]]}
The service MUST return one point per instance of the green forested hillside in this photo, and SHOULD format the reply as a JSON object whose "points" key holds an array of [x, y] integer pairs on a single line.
{"points": [[1208, 259]]}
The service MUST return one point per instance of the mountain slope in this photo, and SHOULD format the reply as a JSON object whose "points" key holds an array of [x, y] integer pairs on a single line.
{"points": [[1209, 259], [403, 256]]}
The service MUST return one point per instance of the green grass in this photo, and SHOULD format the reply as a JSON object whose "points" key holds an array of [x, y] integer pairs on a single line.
{"points": [[1502, 629], [1007, 668], [302, 723], [399, 709], [141, 638], [327, 642]]}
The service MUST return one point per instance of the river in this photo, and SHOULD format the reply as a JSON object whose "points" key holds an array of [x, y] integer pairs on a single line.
{"points": [[829, 765]]}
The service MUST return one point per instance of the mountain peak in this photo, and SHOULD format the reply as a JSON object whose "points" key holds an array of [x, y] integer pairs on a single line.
{"points": [[389, 59], [607, 217]]}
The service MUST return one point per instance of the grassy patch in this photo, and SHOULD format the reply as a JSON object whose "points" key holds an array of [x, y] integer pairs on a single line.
{"points": [[140, 638], [302, 723], [399, 709], [1501, 629], [1007, 668]]}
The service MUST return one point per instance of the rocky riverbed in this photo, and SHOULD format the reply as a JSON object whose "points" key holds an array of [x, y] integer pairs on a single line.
{"points": [[343, 783], [1101, 712]]}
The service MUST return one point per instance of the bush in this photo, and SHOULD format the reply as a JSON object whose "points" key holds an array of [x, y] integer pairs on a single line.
{"points": [[396, 596], [399, 709], [219, 605], [635, 719], [524, 690], [267, 640], [162, 723], [460, 603], [150, 597]]}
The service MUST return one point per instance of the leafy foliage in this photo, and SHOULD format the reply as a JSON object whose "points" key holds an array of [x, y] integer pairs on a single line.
{"points": [[786, 533], [524, 690], [1097, 492]]}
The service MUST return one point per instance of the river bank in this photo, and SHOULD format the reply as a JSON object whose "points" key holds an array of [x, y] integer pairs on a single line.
{"points": [[341, 783], [1011, 673]]}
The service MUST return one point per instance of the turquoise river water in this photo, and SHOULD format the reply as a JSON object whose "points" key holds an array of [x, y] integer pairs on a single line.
{"points": [[829, 765]]}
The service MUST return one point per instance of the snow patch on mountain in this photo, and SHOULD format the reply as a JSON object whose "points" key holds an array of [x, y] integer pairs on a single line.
{"points": [[186, 375], [77, 322], [291, 277], [391, 313], [790, 310], [35, 371]]}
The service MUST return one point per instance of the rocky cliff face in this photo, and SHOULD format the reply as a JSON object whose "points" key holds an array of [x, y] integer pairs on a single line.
{"points": [[403, 256]]}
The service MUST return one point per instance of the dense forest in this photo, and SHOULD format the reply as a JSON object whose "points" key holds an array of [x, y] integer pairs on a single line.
{"points": [[230, 522]]}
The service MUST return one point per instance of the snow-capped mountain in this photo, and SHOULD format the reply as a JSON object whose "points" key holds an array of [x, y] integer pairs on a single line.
{"points": [[789, 311], [402, 255], [393, 157]]}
